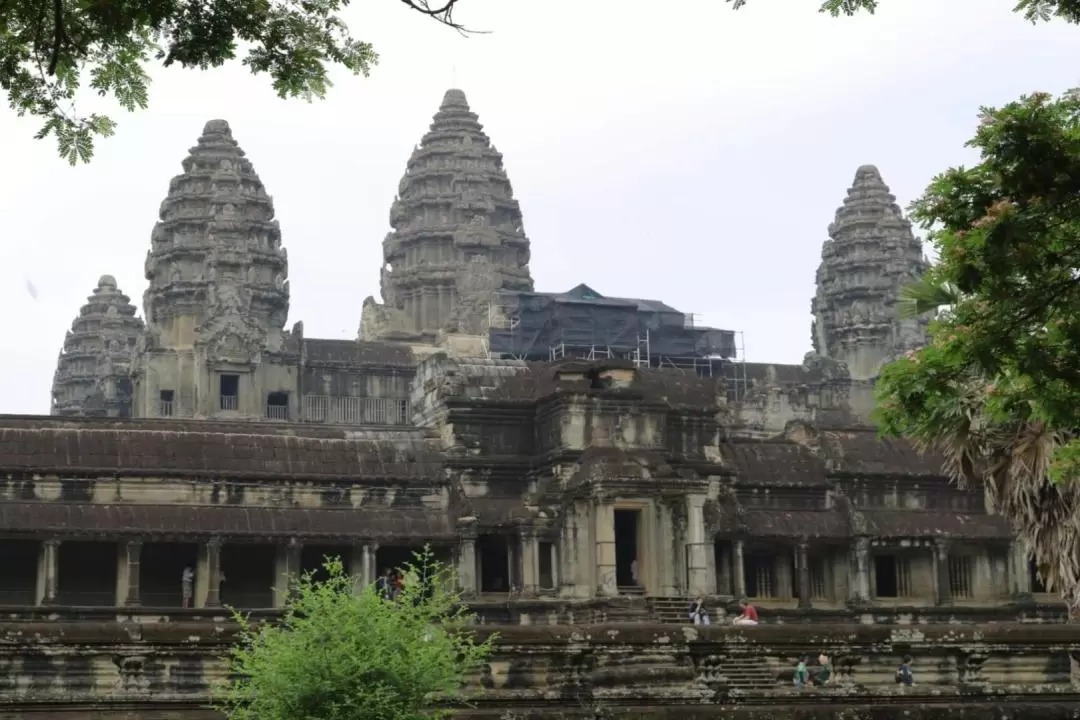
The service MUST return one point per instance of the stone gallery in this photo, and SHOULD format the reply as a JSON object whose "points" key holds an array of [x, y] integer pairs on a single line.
{"points": [[589, 464]]}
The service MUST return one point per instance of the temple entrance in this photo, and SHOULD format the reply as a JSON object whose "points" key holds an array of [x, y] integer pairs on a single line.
{"points": [[313, 560], [493, 552], [86, 574], [395, 557], [248, 573], [627, 570], [161, 569], [18, 581]]}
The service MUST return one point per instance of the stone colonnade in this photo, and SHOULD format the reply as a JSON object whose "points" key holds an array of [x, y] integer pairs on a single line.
{"points": [[361, 564]]}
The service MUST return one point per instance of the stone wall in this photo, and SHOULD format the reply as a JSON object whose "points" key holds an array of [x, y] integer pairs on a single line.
{"points": [[68, 670]]}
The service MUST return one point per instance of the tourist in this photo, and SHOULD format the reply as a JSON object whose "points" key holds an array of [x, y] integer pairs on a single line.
{"points": [[385, 585], [904, 675], [802, 675], [633, 573], [698, 614], [825, 673], [187, 585], [748, 616]]}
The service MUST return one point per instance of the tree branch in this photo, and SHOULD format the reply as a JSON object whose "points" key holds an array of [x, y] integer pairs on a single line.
{"points": [[58, 35], [443, 14]]}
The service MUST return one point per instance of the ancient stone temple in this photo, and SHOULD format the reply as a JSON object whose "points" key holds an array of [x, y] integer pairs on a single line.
{"points": [[870, 255], [218, 298], [588, 465], [457, 233], [93, 372]]}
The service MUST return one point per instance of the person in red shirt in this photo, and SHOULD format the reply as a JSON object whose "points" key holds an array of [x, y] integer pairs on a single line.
{"points": [[749, 614]]}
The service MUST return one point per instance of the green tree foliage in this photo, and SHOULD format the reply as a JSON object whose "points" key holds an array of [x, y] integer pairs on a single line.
{"points": [[51, 49], [1032, 10], [339, 654], [997, 391]]}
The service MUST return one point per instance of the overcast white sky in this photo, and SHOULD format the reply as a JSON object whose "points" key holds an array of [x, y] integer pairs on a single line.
{"points": [[691, 154]]}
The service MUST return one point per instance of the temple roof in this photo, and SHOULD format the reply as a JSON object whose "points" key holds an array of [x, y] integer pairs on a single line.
{"points": [[245, 451], [98, 347], [217, 236], [454, 208]]}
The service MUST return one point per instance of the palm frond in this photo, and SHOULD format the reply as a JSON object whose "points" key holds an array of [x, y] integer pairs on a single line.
{"points": [[926, 295]]}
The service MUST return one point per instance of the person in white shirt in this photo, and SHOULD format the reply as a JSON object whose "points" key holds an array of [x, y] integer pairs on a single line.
{"points": [[187, 585]]}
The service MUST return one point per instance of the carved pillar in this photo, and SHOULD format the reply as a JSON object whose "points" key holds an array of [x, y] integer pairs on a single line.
{"points": [[738, 569], [466, 558], [604, 534], [942, 596], [213, 572], [1019, 571], [132, 557], [530, 561], [47, 571], [361, 566], [288, 568], [859, 590], [802, 567], [697, 568]]}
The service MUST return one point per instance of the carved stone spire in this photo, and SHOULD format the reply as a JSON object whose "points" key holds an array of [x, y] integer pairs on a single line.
{"points": [[457, 233], [92, 373], [216, 250], [870, 255]]}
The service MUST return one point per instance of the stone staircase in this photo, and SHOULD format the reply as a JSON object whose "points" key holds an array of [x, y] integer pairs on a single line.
{"points": [[627, 609], [741, 673], [669, 609]]}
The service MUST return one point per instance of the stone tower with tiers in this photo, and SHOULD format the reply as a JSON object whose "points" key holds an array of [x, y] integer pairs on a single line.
{"points": [[457, 234], [870, 255], [218, 296], [93, 370]]}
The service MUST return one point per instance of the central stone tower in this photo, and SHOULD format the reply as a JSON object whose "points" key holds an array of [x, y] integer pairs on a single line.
{"points": [[457, 234], [871, 254], [218, 296]]}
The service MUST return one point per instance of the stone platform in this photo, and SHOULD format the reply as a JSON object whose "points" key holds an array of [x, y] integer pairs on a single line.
{"points": [[166, 671]]}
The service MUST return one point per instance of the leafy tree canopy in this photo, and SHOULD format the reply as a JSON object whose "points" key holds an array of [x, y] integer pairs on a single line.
{"points": [[1033, 10], [50, 49], [998, 388], [339, 654]]}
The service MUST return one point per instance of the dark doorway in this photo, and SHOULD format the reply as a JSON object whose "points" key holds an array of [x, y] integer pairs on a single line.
{"points": [[313, 559], [86, 574], [494, 554], [230, 392], [885, 576], [396, 557], [161, 571], [1037, 585], [627, 573], [18, 581], [248, 575], [547, 564], [759, 574]]}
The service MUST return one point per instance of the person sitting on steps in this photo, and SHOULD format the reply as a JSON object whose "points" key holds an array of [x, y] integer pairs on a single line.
{"points": [[698, 614], [749, 614]]}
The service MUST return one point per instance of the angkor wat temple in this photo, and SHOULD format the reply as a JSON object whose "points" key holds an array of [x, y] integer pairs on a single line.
{"points": [[587, 463]]}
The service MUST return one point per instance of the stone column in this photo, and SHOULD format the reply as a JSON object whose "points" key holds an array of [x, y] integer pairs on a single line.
{"points": [[530, 561], [859, 590], [1019, 572], [697, 566], [466, 565], [361, 566], [738, 569], [942, 595], [132, 556], [288, 568], [604, 535], [47, 571], [802, 566], [213, 572]]}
